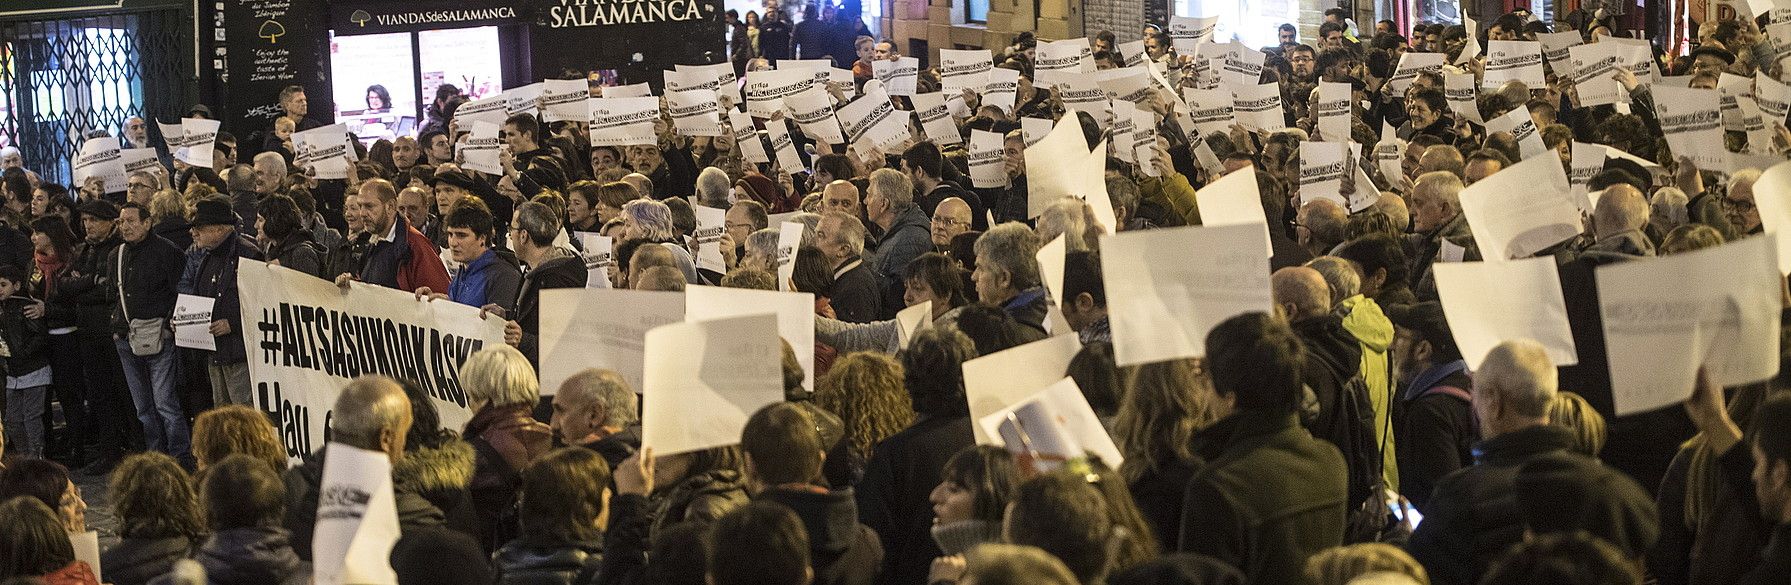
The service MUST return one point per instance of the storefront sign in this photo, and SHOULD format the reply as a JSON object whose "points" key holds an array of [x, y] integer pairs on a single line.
{"points": [[367, 17], [582, 13]]}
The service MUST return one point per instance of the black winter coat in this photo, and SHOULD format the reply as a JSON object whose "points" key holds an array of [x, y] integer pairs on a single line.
{"points": [[26, 339], [1473, 517], [137, 561], [152, 270], [89, 284], [893, 496], [539, 560], [841, 551]]}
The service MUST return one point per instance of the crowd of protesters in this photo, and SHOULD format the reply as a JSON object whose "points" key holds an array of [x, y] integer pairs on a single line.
{"points": [[1303, 448]]}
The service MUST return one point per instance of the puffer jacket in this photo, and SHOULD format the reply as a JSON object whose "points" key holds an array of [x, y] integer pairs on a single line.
{"points": [[440, 474], [702, 497], [505, 439], [251, 556], [1363, 318], [540, 560]]}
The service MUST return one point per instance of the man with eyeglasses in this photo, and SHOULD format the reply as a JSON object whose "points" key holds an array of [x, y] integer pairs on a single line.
{"points": [[141, 187], [951, 218]]}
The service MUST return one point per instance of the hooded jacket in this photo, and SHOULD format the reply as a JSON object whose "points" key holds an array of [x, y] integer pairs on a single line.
{"points": [[251, 556], [303, 484], [541, 560], [439, 474], [842, 551], [136, 561], [1362, 318], [488, 279]]}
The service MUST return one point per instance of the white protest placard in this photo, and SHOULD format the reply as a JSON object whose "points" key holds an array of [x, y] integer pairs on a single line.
{"points": [[1209, 109], [704, 379], [1759, 136], [357, 519], [174, 136], [100, 158], [1002, 89], [872, 124], [1082, 95], [1513, 61], [1523, 129], [1588, 160], [1062, 168], [795, 316], [1034, 129], [1133, 52], [696, 113], [1459, 89], [1729, 87], [1233, 63], [1658, 331], [630, 90], [1774, 98], [1186, 33], [192, 322], [1522, 209], [1472, 49], [711, 224], [789, 242], [1050, 260], [1692, 123], [479, 150], [198, 141], [1132, 84], [1060, 61], [1389, 155], [493, 109], [912, 320], [1144, 141], [307, 339], [523, 100], [1056, 423], [1162, 300], [1258, 106], [1322, 168], [988, 162], [717, 77], [599, 255], [623, 121], [1234, 200], [1361, 193], [1332, 111], [1555, 50], [600, 328], [994, 381], [1594, 68], [1772, 197], [899, 77], [812, 110], [87, 550], [842, 80], [961, 69], [935, 118], [563, 100], [783, 145], [1410, 65], [140, 160], [765, 90], [325, 149], [746, 136], [1489, 303]]}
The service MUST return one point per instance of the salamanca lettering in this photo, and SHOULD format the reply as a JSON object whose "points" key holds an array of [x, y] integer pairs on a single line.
{"points": [[582, 13]]}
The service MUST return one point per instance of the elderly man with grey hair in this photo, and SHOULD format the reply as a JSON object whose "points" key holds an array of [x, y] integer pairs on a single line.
{"points": [[270, 172], [1322, 225], [1472, 516], [856, 295], [1617, 223], [1439, 230], [244, 196], [595, 409], [907, 233], [1364, 320], [761, 251], [1007, 273], [713, 188], [532, 233], [372, 413]]}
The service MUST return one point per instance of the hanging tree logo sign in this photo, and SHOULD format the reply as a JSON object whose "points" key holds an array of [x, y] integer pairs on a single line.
{"points": [[272, 30], [360, 17], [581, 13]]}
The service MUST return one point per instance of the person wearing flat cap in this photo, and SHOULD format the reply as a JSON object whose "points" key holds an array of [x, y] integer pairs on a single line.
{"points": [[211, 273], [90, 286]]}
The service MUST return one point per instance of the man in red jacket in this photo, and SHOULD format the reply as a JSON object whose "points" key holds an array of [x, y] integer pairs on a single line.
{"points": [[400, 257]]}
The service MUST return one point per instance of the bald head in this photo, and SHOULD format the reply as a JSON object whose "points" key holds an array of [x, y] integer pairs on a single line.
{"points": [[372, 413], [640, 182], [648, 257], [841, 196], [1325, 224], [950, 218], [1302, 292], [1393, 206], [661, 278], [1514, 387], [1620, 209], [1442, 157]]}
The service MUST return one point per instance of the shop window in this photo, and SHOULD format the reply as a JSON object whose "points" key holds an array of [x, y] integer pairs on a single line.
{"points": [[1252, 22], [374, 83], [976, 11]]}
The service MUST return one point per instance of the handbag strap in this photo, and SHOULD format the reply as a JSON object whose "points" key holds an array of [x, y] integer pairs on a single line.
{"points": [[123, 307]]}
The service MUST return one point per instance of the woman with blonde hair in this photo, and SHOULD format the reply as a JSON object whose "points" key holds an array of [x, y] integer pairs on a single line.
{"points": [[1341, 565], [1167, 404], [502, 390], [866, 391], [1572, 412], [227, 430]]}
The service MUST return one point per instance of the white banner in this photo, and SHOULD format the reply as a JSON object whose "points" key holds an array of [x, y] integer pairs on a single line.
{"points": [[872, 124], [783, 146], [899, 77], [1082, 95], [599, 255], [935, 118], [1514, 61], [523, 100], [1002, 89], [812, 110], [1322, 168], [1522, 128], [766, 90], [1521, 210], [1460, 91], [718, 78], [1210, 109], [705, 379], [479, 150], [1332, 111], [1489, 303], [357, 519], [1187, 33], [1692, 123], [600, 328], [1555, 48], [1060, 61], [746, 136], [630, 90], [1258, 107], [492, 109], [1163, 300], [1412, 64], [623, 121], [306, 339], [101, 158], [988, 161]]}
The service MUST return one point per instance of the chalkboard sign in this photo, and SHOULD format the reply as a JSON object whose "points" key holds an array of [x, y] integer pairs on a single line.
{"points": [[272, 44]]}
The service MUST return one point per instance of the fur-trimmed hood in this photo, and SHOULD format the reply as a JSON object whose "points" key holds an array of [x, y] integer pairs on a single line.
{"points": [[445, 467]]}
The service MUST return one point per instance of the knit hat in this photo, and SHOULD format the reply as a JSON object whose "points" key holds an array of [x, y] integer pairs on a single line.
{"points": [[764, 190]]}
